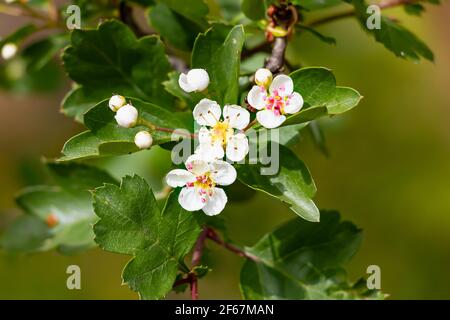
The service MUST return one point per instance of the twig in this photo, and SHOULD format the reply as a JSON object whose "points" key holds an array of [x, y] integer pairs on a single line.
{"points": [[275, 62], [385, 4], [196, 259], [212, 235]]}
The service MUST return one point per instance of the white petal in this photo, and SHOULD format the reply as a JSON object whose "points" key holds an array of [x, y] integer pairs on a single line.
{"points": [[190, 199], [198, 78], [237, 116], [210, 152], [223, 173], [282, 84], [294, 104], [143, 139], [9, 50], [263, 77], [127, 116], [197, 165], [116, 102], [184, 84], [207, 112], [204, 135], [269, 120], [257, 97], [216, 203], [179, 178], [237, 147]]}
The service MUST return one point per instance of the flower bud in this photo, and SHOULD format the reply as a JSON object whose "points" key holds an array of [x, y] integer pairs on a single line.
{"points": [[116, 102], [263, 77], [9, 50], [194, 80], [127, 116], [143, 140]]}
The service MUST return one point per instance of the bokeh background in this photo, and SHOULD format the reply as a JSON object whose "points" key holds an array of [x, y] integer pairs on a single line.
{"points": [[388, 171]]}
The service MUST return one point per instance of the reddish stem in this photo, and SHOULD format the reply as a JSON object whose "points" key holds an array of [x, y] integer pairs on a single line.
{"points": [[212, 235]]}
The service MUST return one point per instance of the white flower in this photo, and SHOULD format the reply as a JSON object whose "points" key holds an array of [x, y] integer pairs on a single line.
{"points": [[116, 102], [143, 140], [9, 50], [127, 116], [263, 77], [273, 105], [200, 181], [194, 80], [221, 137]]}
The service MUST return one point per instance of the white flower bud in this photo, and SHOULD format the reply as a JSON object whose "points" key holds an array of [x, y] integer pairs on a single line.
{"points": [[116, 102], [263, 77], [143, 140], [194, 80], [9, 50], [127, 116]]}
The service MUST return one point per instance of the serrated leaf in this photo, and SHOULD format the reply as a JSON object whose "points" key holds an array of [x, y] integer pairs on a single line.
{"points": [[321, 96], [67, 204], [111, 60], [106, 138], [303, 260], [218, 50], [131, 223], [292, 183], [393, 36]]}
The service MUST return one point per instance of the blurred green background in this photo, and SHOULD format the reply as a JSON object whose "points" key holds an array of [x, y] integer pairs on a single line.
{"points": [[389, 172]]}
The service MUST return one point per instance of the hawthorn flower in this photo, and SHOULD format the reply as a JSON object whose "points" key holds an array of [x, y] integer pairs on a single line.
{"points": [[127, 116], [200, 181], [220, 138], [143, 140], [9, 50], [194, 80], [276, 103], [116, 102]]}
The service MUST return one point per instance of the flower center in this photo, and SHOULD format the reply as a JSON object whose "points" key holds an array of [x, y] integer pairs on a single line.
{"points": [[221, 131], [204, 184], [276, 103]]}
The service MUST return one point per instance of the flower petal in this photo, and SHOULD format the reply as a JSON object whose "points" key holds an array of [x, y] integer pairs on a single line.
{"points": [[191, 199], [257, 97], [179, 178], [282, 84], [197, 165], [198, 78], [184, 84], [223, 173], [210, 152], [207, 112], [216, 203], [204, 135], [237, 147], [237, 116], [269, 120], [294, 103]]}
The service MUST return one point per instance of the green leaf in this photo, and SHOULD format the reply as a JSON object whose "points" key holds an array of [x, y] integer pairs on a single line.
{"points": [[322, 97], [112, 60], [318, 137], [292, 183], [175, 28], [67, 204], [303, 260], [40, 53], [106, 138], [219, 52], [415, 9], [393, 36], [254, 9], [131, 223], [196, 10], [314, 32]]}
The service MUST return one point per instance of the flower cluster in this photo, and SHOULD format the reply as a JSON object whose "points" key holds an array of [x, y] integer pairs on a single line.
{"points": [[221, 133]]}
